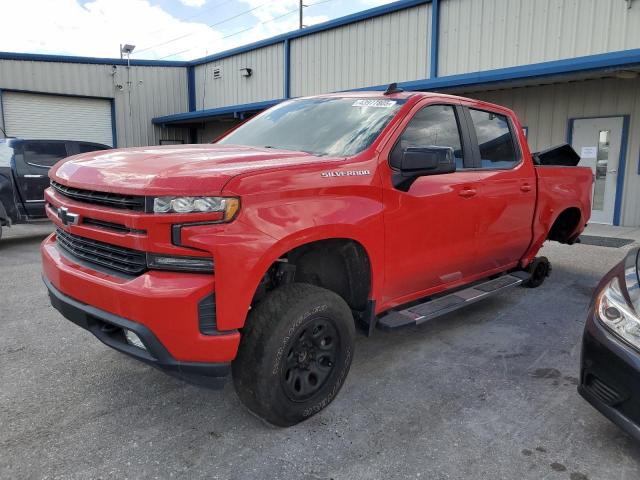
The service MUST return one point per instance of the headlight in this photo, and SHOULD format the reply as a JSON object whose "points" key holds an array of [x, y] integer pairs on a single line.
{"points": [[190, 264], [614, 309], [228, 205]]}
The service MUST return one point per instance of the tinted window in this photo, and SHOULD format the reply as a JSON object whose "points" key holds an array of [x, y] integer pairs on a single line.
{"points": [[45, 154], [322, 126], [494, 139], [89, 147], [433, 126]]}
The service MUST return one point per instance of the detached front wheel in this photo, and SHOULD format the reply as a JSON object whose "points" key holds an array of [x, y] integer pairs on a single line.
{"points": [[538, 271], [295, 353]]}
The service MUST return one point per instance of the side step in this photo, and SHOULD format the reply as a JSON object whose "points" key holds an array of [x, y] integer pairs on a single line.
{"points": [[440, 306]]}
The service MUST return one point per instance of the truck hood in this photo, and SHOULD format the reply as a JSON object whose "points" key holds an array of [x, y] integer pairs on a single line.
{"points": [[172, 170]]}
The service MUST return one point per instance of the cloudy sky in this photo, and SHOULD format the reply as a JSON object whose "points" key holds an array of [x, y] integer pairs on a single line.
{"points": [[160, 29]]}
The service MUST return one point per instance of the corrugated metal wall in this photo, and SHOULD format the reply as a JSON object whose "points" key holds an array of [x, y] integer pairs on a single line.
{"points": [[546, 111], [155, 91], [488, 34], [389, 48], [213, 130], [265, 83]]}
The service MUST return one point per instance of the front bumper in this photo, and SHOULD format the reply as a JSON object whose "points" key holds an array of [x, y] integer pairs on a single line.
{"points": [[610, 376], [160, 307], [109, 329]]}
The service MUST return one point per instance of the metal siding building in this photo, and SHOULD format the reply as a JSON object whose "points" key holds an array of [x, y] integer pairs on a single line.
{"points": [[557, 63], [231, 88], [490, 34], [389, 48], [154, 91]]}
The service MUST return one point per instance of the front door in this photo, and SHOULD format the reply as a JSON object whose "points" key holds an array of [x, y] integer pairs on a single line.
{"points": [[430, 228], [598, 141]]}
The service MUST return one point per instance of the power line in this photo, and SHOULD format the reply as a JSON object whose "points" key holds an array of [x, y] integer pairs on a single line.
{"points": [[250, 28], [199, 14], [211, 25], [233, 34]]}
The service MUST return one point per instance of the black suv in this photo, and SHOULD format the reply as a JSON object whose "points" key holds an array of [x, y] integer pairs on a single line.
{"points": [[24, 168]]}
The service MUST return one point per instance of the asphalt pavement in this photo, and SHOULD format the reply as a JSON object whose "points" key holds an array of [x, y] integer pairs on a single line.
{"points": [[486, 393]]}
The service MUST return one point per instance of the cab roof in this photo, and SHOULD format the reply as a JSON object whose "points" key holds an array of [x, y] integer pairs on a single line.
{"points": [[375, 94]]}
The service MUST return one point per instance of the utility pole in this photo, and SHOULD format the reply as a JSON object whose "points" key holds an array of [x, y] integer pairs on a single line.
{"points": [[301, 15]]}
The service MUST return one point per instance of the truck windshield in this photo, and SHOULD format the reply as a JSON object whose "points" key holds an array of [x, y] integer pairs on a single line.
{"points": [[320, 126]]}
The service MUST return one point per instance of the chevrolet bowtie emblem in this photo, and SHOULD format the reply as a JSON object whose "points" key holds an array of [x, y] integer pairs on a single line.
{"points": [[66, 217]]}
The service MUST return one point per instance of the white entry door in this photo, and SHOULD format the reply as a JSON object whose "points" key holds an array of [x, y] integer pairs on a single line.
{"points": [[598, 142]]}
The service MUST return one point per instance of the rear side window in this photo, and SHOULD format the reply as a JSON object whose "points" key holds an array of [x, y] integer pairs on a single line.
{"points": [[44, 154], [433, 126], [494, 139], [89, 147]]}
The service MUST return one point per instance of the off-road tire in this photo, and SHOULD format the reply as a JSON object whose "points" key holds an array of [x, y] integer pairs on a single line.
{"points": [[280, 332], [538, 270]]}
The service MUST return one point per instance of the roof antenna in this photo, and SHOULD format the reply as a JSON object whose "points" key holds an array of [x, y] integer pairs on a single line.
{"points": [[393, 88]]}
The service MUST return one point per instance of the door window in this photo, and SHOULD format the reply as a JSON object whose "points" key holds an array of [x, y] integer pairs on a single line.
{"points": [[494, 139], [44, 154], [89, 147], [602, 164], [433, 126]]}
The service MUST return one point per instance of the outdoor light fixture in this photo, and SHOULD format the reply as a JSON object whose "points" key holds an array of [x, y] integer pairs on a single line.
{"points": [[246, 72], [127, 49]]}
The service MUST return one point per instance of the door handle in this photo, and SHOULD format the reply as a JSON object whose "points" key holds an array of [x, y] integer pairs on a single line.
{"points": [[526, 187], [33, 176], [612, 171], [467, 192]]}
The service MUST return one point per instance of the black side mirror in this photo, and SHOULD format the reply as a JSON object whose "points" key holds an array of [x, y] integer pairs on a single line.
{"points": [[420, 161]]}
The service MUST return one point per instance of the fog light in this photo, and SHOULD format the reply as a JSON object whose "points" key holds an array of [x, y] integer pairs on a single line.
{"points": [[133, 339]]}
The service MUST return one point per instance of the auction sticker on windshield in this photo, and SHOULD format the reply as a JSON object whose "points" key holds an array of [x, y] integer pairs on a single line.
{"points": [[374, 103]]}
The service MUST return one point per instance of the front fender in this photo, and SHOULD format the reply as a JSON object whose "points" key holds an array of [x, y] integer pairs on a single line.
{"points": [[244, 249]]}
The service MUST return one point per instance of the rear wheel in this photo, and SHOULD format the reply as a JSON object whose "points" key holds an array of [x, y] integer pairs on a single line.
{"points": [[295, 353]]}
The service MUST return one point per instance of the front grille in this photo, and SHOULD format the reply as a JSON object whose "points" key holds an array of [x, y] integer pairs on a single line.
{"points": [[116, 227], [115, 200], [120, 259]]}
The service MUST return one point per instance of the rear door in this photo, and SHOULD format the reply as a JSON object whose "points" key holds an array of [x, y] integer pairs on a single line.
{"points": [[33, 159], [507, 192]]}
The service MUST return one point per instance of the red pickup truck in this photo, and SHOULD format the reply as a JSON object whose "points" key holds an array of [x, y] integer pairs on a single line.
{"points": [[260, 254]]}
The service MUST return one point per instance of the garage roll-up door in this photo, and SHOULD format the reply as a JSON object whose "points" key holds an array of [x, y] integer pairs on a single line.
{"points": [[57, 117]]}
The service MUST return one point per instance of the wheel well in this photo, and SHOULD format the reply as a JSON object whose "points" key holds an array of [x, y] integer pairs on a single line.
{"points": [[564, 226], [340, 265]]}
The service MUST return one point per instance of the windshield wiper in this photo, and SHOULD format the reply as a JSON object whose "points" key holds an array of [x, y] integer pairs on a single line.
{"points": [[295, 150]]}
